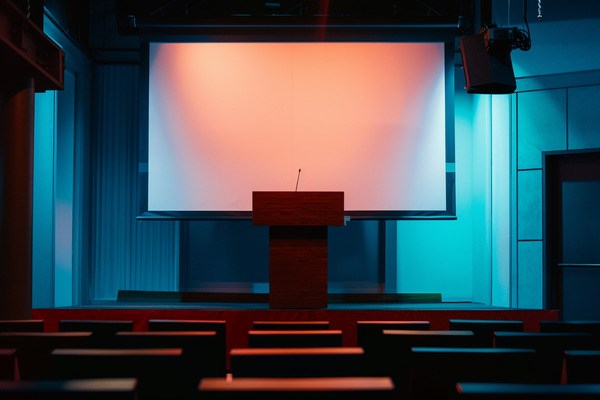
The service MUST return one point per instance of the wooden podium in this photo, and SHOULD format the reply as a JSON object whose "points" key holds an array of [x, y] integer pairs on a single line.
{"points": [[298, 224]]}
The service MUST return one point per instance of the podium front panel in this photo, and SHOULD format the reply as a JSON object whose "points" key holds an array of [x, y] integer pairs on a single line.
{"points": [[298, 267], [298, 208]]}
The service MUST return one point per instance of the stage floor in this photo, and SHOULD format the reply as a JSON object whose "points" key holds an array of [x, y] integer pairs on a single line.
{"points": [[157, 305], [140, 299]]}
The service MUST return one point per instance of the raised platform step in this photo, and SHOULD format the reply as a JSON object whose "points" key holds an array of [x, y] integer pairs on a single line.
{"points": [[138, 296]]}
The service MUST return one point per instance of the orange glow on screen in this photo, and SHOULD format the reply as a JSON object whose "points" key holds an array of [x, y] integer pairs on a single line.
{"points": [[226, 119]]}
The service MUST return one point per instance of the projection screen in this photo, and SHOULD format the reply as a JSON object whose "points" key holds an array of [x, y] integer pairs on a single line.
{"points": [[226, 119]]}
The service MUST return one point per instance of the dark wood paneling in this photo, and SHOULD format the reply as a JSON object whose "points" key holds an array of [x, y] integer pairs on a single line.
{"points": [[298, 208], [298, 267]]}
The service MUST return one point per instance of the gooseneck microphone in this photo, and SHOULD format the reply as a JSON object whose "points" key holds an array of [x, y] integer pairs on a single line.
{"points": [[298, 178]]}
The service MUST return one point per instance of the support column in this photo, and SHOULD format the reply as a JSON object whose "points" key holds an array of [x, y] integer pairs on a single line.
{"points": [[16, 189]]}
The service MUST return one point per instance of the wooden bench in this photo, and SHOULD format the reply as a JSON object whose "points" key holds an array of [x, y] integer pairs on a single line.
{"points": [[369, 336], [203, 351], [368, 333], [218, 326], [583, 326], [434, 371], [346, 388], [295, 338], [8, 364], [34, 348], [484, 328], [89, 389], [526, 391], [290, 325], [582, 366], [405, 339], [22, 325], [550, 346], [102, 330], [396, 345], [159, 372], [96, 326], [298, 362]]}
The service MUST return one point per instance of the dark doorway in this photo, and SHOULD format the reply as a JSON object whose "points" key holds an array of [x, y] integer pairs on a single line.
{"points": [[572, 233]]}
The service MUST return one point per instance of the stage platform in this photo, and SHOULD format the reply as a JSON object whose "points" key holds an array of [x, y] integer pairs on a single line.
{"points": [[341, 315]]}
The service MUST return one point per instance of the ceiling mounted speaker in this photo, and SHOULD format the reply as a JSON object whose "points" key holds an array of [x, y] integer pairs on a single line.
{"points": [[488, 68]]}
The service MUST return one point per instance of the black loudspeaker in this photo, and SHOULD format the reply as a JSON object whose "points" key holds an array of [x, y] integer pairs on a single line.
{"points": [[488, 69]]}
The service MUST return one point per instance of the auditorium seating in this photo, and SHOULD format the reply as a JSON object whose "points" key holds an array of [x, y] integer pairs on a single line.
{"points": [[218, 326], [97, 327], [102, 330], [203, 351], [160, 372], [290, 325], [403, 340], [550, 346], [34, 348], [395, 346], [369, 337], [526, 391], [298, 362], [421, 363], [327, 388], [295, 338], [484, 329], [22, 325], [582, 366], [434, 371], [88, 389], [545, 340], [369, 332], [8, 363], [584, 326]]}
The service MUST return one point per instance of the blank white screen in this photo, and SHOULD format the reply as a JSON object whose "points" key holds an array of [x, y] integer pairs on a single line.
{"points": [[226, 119]]}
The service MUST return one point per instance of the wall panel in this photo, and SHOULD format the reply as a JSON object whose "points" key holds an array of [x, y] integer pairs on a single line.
{"points": [[529, 205], [542, 125], [530, 275], [584, 118]]}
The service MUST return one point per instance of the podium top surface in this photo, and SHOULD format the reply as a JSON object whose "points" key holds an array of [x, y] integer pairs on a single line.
{"points": [[298, 208]]}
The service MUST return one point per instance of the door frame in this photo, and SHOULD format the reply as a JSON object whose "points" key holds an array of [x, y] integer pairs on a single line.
{"points": [[558, 167]]}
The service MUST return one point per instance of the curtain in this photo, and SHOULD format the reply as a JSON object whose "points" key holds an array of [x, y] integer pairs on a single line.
{"points": [[127, 254]]}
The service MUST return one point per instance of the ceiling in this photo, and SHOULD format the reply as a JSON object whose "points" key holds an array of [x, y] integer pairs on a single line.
{"points": [[168, 17], [306, 9], [174, 14], [116, 25]]}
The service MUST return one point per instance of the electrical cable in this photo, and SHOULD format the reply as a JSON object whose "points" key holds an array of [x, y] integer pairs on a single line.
{"points": [[522, 37]]}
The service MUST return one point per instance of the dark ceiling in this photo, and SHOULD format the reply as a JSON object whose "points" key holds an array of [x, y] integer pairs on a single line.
{"points": [[224, 9], [103, 26], [115, 25], [167, 17]]}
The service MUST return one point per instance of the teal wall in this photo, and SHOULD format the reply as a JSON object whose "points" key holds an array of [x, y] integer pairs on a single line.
{"points": [[556, 108], [61, 181]]}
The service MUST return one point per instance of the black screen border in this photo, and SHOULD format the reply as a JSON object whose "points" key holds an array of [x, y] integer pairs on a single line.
{"points": [[440, 35]]}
